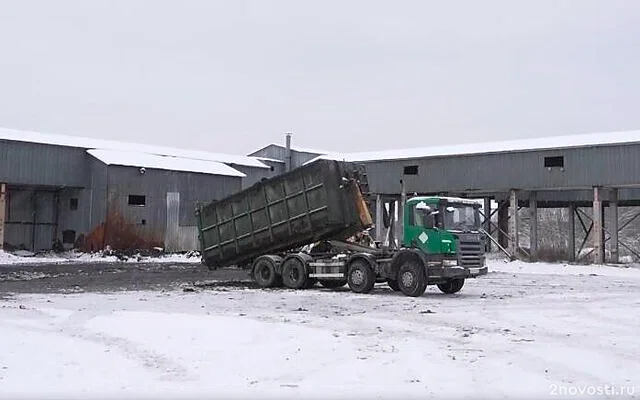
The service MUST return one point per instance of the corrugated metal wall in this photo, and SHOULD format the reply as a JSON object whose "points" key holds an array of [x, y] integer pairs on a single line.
{"points": [[254, 175], [39, 164], [143, 226], [583, 169]]}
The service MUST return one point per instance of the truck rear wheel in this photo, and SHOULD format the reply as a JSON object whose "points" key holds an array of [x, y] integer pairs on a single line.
{"points": [[264, 273], [333, 283], [361, 277], [451, 286], [294, 273], [411, 279]]}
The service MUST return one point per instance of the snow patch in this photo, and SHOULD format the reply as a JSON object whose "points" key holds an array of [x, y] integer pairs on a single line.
{"points": [[98, 257]]}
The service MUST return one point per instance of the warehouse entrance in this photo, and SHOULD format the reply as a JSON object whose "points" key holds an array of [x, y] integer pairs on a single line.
{"points": [[30, 218]]}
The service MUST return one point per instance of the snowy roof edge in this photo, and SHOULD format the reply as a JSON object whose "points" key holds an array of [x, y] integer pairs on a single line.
{"points": [[494, 147], [166, 163], [92, 143]]}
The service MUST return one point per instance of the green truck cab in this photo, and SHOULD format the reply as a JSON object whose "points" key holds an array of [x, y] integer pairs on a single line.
{"points": [[446, 226], [442, 244]]}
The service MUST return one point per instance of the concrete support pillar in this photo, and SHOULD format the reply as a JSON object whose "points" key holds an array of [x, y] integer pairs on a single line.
{"points": [[572, 232], [598, 225], [514, 226], [533, 227], [615, 244], [503, 224], [3, 202], [379, 219], [487, 221]]}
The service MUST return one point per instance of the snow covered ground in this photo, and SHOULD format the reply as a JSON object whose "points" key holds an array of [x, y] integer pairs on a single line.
{"points": [[26, 257], [525, 330]]}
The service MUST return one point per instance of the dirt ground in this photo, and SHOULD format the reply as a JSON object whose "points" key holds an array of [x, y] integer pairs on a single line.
{"points": [[76, 278]]}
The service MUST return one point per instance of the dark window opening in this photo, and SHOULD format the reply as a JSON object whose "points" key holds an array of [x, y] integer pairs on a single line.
{"points": [[556, 161], [411, 170], [68, 236], [137, 200], [73, 204]]}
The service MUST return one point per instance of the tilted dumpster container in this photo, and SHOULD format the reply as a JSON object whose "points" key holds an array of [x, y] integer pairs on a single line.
{"points": [[318, 201]]}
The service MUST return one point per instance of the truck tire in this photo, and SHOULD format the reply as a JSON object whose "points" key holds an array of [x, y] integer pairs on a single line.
{"points": [[265, 275], [451, 286], [393, 284], [333, 283], [412, 279], [361, 277], [294, 273]]}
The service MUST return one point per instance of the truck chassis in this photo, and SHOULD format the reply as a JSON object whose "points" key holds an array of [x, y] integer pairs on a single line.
{"points": [[407, 270]]}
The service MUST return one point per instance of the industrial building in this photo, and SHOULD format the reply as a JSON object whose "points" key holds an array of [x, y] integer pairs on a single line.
{"points": [[596, 171], [285, 157], [66, 191]]}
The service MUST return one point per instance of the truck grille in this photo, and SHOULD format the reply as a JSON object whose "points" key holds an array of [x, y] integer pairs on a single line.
{"points": [[470, 251]]}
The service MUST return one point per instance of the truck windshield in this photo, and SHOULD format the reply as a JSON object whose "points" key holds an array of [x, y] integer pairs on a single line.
{"points": [[461, 217]]}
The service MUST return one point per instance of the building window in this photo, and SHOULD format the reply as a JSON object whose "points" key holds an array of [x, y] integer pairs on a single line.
{"points": [[68, 236], [555, 161], [137, 200], [411, 170], [73, 204]]}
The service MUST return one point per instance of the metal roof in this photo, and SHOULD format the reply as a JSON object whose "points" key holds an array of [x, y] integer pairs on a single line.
{"points": [[90, 143], [145, 160], [541, 143], [294, 148]]}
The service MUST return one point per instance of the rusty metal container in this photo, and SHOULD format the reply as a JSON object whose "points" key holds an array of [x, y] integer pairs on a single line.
{"points": [[318, 201]]}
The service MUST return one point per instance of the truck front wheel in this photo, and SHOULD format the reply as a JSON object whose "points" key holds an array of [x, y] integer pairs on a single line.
{"points": [[411, 279], [451, 286], [361, 277]]}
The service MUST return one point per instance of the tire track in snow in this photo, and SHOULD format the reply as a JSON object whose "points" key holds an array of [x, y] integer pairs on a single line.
{"points": [[167, 368]]}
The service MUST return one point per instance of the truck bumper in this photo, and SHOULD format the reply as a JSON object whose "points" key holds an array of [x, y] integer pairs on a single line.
{"points": [[456, 272]]}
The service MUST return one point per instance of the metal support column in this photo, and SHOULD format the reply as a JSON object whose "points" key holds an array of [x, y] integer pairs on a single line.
{"points": [[379, 219], [503, 224], [598, 237], [572, 232], [392, 224], [3, 202], [401, 204], [487, 221], [615, 246], [287, 153], [533, 225], [514, 228]]}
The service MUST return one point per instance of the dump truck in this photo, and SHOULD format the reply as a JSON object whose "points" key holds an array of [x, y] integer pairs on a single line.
{"points": [[301, 228]]}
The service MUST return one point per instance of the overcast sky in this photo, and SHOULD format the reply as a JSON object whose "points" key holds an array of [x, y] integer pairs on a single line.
{"points": [[232, 76]]}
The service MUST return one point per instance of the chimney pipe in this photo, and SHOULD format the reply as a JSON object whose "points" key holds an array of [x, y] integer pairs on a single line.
{"points": [[287, 153]]}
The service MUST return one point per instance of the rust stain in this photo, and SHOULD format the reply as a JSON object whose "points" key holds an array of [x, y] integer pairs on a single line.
{"points": [[120, 235]]}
